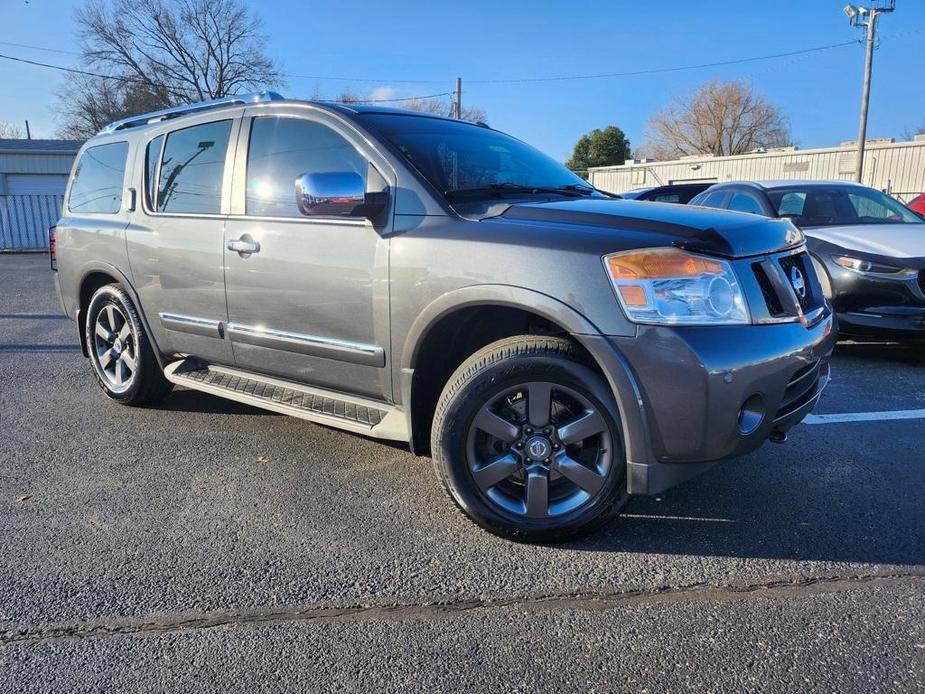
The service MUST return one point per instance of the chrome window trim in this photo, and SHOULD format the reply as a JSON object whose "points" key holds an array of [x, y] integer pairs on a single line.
{"points": [[312, 345]]}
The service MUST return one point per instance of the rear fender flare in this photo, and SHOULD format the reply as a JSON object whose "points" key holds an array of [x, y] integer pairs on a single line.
{"points": [[107, 269]]}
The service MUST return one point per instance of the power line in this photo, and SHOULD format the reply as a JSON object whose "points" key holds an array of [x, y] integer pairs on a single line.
{"points": [[136, 79], [653, 71], [69, 69], [383, 101], [515, 80], [39, 48]]}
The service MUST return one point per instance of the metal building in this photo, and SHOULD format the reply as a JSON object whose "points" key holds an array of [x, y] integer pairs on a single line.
{"points": [[896, 167], [33, 175]]}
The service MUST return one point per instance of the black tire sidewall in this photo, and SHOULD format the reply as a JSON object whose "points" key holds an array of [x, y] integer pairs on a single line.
{"points": [[113, 294], [451, 455]]}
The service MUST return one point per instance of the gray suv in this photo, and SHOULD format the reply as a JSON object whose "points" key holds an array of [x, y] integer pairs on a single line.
{"points": [[426, 280]]}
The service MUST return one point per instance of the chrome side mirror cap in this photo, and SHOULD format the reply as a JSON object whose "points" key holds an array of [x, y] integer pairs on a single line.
{"points": [[336, 194]]}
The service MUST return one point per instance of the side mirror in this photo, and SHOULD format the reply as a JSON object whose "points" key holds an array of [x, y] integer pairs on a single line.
{"points": [[336, 194]]}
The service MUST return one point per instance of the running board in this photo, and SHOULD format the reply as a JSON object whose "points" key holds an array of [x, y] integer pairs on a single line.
{"points": [[359, 415]]}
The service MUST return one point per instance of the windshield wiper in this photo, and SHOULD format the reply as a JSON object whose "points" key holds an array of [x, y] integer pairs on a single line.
{"points": [[569, 190]]}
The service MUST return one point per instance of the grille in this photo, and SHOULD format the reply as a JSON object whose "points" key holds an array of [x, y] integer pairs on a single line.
{"points": [[787, 263], [775, 308]]}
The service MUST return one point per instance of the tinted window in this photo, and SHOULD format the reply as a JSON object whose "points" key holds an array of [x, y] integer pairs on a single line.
{"points": [[814, 206], [192, 169], [97, 185], [714, 199], [666, 197], [743, 202], [152, 154], [454, 155], [281, 150]]}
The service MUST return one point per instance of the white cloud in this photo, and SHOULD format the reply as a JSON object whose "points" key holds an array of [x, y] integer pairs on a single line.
{"points": [[381, 93]]}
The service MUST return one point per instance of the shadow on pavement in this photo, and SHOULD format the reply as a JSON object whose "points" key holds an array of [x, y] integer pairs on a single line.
{"points": [[759, 512], [194, 401], [912, 353]]}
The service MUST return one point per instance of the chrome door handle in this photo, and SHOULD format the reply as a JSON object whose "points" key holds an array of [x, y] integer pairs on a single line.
{"points": [[244, 246]]}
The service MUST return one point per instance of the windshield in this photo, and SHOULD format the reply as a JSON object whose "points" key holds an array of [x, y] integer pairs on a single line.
{"points": [[823, 206], [458, 156]]}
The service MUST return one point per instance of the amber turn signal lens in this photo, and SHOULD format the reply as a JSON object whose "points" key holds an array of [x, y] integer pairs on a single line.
{"points": [[633, 295], [660, 265]]}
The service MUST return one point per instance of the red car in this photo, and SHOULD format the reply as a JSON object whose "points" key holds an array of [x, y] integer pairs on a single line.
{"points": [[918, 205]]}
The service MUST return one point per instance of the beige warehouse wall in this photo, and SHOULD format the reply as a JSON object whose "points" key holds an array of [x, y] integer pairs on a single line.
{"points": [[899, 166]]}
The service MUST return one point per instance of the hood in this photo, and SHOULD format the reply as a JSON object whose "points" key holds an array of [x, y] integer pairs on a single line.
{"points": [[696, 229], [890, 240]]}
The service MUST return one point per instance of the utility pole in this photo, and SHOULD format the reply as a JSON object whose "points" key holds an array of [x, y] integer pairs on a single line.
{"points": [[866, 17], [28, 132], [457, 99]]}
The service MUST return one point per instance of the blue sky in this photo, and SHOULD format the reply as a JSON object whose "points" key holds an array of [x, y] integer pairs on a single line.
{"points": [[382, 43]]}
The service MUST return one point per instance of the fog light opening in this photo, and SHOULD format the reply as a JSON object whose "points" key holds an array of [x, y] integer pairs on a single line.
{"points": [[751, 415]]}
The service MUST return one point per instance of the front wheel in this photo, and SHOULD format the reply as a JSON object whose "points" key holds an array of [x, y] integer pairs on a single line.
{"points": [[527, 442], [120, 354]]}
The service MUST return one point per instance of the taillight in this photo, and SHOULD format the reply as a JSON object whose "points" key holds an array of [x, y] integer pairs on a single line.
{"points": [[53, 247]]}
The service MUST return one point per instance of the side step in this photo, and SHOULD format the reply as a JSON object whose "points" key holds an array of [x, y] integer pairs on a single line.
{"points": [[359, 415]]}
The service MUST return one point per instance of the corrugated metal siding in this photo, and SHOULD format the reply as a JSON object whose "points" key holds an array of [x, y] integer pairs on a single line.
{"points": [[24, 220], [36, 163], [899, 166]]}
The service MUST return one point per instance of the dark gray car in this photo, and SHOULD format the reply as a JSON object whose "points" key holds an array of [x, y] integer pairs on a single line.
{"points": [[426, 280]]}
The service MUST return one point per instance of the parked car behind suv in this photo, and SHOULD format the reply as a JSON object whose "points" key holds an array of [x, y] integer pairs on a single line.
{"points": [[868, 249], [679, 193], [427, 280]]}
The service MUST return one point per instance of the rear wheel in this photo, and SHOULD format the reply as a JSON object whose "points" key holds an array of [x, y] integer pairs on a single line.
{"points": [[120, 354], [527, 443]]}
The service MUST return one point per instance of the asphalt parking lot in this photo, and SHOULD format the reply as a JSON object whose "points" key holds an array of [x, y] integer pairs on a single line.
{"points": [[208, 546]]}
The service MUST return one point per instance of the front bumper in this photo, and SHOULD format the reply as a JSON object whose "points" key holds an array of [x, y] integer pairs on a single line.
{"points": [[877, 306], [708, 393]]}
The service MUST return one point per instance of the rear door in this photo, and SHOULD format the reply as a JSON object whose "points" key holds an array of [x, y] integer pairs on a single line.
{"points": [[176, 239], [310, 303]]}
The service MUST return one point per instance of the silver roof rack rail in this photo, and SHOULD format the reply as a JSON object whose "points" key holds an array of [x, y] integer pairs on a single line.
{"points": [[156, 116]]}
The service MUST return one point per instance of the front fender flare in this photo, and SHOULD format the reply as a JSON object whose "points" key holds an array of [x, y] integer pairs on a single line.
{"points": [[612, 363]]}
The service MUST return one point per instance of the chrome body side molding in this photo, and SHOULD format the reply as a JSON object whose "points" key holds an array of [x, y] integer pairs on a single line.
{"points": [[191, 324], [341, 350]]}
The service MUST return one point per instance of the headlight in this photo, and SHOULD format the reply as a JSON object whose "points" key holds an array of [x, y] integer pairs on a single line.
{"points": [[671, 286], [859, 265]]}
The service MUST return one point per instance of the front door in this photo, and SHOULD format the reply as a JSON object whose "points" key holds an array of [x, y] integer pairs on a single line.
{"points": [[175, 242], [307, 296]]}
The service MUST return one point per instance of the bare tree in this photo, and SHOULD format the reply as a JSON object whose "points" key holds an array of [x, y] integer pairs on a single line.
{"points": [[89, 103], [10, 131], [720, 118], [436, 105], [160, 53]]}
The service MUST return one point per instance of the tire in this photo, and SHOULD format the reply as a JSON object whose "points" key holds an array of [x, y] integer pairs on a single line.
{"points": [[120, 354], [502, 412]]}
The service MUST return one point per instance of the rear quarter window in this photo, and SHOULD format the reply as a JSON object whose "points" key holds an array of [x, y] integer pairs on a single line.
{"points": [[98, 180]]}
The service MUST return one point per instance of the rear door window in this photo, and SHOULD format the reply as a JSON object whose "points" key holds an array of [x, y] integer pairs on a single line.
{"points": [[714, 199], [192, 169], [152, 157], [98, 179], [745, 202]]}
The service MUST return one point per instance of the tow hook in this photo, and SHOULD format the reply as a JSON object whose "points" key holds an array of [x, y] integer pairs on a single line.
{"points": [[777, 436]]}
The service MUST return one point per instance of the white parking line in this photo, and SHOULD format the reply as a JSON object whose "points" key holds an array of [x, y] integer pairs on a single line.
{"points": [[863, 416], [646, 516]]}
